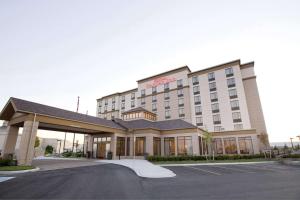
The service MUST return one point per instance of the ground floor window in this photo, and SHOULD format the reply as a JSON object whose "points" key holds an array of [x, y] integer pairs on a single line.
{"points": [[230, 145], [245, 144], [169, 143], [120, 151], [218, 146], [140, 146], [128, 146], [184, 145], [101, 147], [156, 146]]}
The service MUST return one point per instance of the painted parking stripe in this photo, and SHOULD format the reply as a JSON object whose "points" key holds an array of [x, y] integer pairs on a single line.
{"points": [[260, 168], [2, 179], [234, 169], [203, 170]]}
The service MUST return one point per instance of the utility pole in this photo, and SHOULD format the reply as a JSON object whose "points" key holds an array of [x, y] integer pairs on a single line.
{"points": [[292, 143], [74, 133]]}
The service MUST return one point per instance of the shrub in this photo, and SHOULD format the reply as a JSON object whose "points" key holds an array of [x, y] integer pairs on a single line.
{"points": [[7, 162], [49, 149]]}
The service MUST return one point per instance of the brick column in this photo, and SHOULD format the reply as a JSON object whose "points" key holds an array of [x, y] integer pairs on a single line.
{"points": [[195, 143], [149, 145], [10, 141]]}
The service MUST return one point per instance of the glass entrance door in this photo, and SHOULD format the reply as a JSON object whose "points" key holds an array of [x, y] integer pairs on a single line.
{"points": [[101, 147]]}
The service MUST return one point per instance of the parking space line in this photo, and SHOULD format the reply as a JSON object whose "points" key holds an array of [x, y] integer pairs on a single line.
{"points": [[234, 169], [261, 168], [203, 170]]}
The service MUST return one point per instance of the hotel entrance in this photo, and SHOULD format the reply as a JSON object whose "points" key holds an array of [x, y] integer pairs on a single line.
{"points": [[101, 147]]}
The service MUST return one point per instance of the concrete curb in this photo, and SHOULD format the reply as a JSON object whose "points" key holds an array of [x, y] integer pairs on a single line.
{"points": [[19, 172], [193, 164]]}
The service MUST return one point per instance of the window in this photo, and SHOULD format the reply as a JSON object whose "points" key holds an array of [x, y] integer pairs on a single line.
{"points": [[106, 101], [154, 90], [132, 104], [154, 107], [154, 98], [184, 145], [196, 89], [104, 116], [215, 108], [140, 146], [199, 121], [236, 116], [167, 104], [169, 144], [113, 99], [229, 72], [181, 112], [180, 102], [156, 146], [113, 106], [128, 146], [212, 86], [198, 110], [123, 106], [245, 144], [167, 96], [166, 86], [238, 127], [143, 101], [180, 92], [235, 105], [179, 83], [123, 98], [167, 114], [231, 82], [213, 97], [120, 146], [217, 119], [195, 80], [143, 92], [133, 95], [232, 94], [197, 100], [105, 108], [230, 145], [218, 128], [211, 76], [218, 146]]}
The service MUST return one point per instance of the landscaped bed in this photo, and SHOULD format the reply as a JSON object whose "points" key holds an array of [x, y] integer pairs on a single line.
{"points": [[15, 168]]}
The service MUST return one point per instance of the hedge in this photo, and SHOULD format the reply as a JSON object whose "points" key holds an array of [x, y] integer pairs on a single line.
{"points": [[7, 162]]}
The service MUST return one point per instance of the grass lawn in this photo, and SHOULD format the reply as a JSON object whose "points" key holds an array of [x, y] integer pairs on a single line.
{"points": [[211, 161], [15, 168]]}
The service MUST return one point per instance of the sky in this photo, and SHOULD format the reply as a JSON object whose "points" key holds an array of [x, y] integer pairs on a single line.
{"points": [[53, 51]]}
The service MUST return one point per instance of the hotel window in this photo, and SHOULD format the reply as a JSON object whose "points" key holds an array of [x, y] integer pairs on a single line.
{"points": [[181, 112], [198, 110], [218, 146], [166, 86], [211, 76], [113, 106], [113, 99], [106, 101], [230, 145], [180, 102], [180, 92], [196, 89], [105, 108], [199, 121], [154, 90], [245, 144], [128, 146], [167, 96], [123, 106], [99, 110], [143, 101], [229, 72], [140, 146], [218, 128], [100, 104], [235, 105], [143, 92], [197, 100], [133, 95], [231, 82], [156, 146], [232, 94], [169, 144], [213, 97], [195, 80], [215, 108], [217, 119], [167, 104], [212, 86], [184, 145], [123, 98], [238, 127], [179, 83], [132, 104], [167, 114], [154, 98], [154, 107], [236, 116], [120, 146]]}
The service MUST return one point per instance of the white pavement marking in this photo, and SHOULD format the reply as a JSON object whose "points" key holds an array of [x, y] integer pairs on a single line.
{"points": [[261, 168], [233, 169], [203, 170], [196, 164], [2, 179]]}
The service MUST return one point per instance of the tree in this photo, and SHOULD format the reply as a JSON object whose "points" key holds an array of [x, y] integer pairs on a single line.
{"points": [[207, 136], [264, 139], [49, 149], [37, 142]]}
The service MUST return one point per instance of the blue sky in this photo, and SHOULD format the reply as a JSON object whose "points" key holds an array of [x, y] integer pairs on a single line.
{"points": [[53, 51]]}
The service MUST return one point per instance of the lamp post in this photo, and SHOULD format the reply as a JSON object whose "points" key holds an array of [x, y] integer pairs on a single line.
{"points": [[292, 143], [59, 146]]}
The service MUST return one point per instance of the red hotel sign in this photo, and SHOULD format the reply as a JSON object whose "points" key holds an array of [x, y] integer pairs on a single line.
{"points": [[160, 81]]}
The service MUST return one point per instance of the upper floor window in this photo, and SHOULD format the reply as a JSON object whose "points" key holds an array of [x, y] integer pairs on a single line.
{"points": [[154, 98], [123, 106], [218, 128], [198, 110], [167, 114], [143, 101], [143, 92], [113, 106], [211, 76], [199, 121], [133, 95], [123, 98], [181, 112], [113, 99], [179, 83], [238, 126], [197, 100], [167, 95], [180, 92], [217, 119], [196, 89], [106, 101], [215, 108], [167, 104], [154, 107], [154, 90], [231, 82], [166, 86], [132, 104], [100, 104], [212, 86], [213, 97], [232, 94], [195, 80], [236, 116], [229, 72], [105, 108], [235, 105], [181, 102]]}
